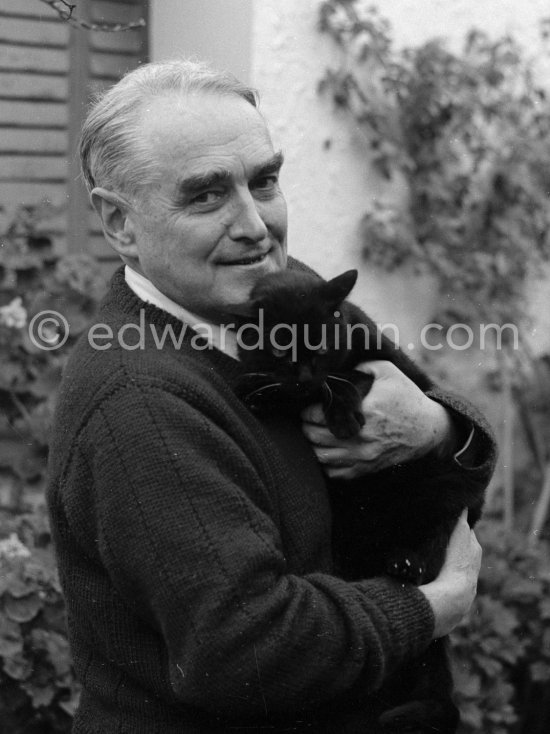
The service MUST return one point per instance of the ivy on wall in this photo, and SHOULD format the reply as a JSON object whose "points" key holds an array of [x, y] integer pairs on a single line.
{"points": [[468, 134]]}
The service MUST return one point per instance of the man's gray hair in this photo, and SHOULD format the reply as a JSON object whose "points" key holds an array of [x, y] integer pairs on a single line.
{"points": [[110, 152]]}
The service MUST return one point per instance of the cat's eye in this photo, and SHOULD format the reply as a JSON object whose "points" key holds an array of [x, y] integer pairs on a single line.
{"points": [[322, 351], [280, 352]]}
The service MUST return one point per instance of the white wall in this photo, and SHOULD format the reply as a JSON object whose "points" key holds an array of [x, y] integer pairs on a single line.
{"points": [[417, 20], [328, 188], [218, 31], [328, 184]]}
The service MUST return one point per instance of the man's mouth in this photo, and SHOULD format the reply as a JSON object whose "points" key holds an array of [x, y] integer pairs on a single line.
{"points": [[249, 260]]}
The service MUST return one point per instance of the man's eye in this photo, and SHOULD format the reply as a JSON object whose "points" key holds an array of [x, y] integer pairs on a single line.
{"points": [[266, 183], [207, 197]]}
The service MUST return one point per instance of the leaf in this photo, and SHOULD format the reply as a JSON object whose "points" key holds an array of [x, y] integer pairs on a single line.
{"points": [[46, 381], [18, 667], [498, 698], [70, 705], [22, 609], [12, 374], [56, 647], [42, 569], [491, 667], [472, 715], [540, 671], [34, 529], [505, 622], [511, 656], [524, 590], [16, 586], [468, 683], [53, 615], [11, 640], [22, 457], [40, 696]]}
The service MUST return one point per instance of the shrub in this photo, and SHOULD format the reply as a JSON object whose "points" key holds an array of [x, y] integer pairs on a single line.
{"points": [[502, 650], [38, 690], [36, 282], [465, 137]]}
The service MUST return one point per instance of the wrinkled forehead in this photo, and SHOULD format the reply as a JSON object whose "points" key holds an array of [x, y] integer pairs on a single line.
{"points": [[200, 134], [198, 119]]}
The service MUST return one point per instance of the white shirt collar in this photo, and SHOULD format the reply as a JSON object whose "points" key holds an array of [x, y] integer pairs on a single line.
{"points": [[220, 337]]}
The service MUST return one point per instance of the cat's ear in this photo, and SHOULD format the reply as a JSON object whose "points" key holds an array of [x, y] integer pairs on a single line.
{"points": [[340, 287]]}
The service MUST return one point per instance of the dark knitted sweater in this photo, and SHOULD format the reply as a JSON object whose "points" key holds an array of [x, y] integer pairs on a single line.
{"points": [[194, 553]]}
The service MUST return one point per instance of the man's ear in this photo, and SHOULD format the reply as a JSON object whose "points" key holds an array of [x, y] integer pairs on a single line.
{"points": [[118, 229]]}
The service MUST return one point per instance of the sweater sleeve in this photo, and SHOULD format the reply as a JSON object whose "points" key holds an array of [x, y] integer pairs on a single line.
{"points": [[483, 452], [180, 529]]}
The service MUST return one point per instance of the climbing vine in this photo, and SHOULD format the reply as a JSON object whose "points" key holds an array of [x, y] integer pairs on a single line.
{"points": [[468, 132]]}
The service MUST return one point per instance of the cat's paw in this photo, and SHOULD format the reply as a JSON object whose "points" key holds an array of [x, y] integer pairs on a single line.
{"points": [[417, 717], [345, 424], [406, 566]]}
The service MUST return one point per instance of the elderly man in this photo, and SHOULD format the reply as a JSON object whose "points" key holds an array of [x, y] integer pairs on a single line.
{"points": [[193, 538]]}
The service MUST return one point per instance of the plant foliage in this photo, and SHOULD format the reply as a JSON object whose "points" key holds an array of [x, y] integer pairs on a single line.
{"points": [[502, 650], [35, 282], [38, 689], [469, 132]]}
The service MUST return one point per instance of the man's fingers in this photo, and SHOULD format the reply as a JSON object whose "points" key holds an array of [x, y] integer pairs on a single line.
{"points": [[341, 472], [323, 436], [478, 549], [333, 457], [314, 414], [377, 368], [319, 435], [461, 532]]}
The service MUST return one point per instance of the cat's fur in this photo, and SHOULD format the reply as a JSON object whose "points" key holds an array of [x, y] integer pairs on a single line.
{"points": [[395, 522]]}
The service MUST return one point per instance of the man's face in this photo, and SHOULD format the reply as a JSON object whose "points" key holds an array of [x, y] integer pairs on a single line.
{"points": [[213, 220]]}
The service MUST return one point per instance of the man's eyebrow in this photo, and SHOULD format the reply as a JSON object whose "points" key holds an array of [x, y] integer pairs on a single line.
{"points": [[191, 184], [188, 185], [273, 165]]}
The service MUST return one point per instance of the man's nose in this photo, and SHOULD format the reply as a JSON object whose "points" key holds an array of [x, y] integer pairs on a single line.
{"points": [[247, 224]]}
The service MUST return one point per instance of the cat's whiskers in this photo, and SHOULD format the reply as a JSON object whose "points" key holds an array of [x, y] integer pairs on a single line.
{"points": [[348, 382], [325, 388], [260, 390], [257, 374]]}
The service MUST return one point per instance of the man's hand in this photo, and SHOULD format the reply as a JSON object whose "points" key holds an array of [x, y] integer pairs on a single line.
{"points": [[401, 424], [451, 594]]}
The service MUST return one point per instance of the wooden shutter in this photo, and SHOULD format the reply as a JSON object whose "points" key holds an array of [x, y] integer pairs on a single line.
{"points": [[48, 71]]}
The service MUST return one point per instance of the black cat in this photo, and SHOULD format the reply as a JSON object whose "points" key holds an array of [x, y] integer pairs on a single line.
{"points": [[305, 346]]}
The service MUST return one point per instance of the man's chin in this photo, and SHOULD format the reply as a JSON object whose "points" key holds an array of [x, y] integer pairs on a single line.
{"points": [[238, 300], [238, 313]]}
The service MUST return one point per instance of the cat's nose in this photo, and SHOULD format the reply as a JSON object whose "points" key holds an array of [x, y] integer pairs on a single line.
{"points": [[305, 374]]}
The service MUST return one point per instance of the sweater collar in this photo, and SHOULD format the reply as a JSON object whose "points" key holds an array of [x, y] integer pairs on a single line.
{"points": [[121, 305], [223, 339]]}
